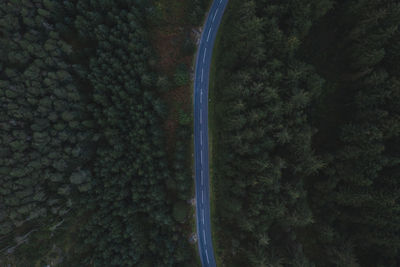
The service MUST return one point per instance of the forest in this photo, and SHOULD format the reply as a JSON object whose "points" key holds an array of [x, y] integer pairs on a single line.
{"points": [[86, 179], [305, 130], [96, 133]]}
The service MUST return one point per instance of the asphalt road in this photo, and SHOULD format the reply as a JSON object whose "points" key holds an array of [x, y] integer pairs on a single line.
{"points": [[201, 81]]}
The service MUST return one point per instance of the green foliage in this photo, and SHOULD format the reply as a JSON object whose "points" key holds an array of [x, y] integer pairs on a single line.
{"points": [[129, 206], [196, 11], [163, 83], [181, 76], [263, 142], [306, 149], [180, 211], [359, 180], [189, 47], [82, 134], [184, 118], [37, 97]]}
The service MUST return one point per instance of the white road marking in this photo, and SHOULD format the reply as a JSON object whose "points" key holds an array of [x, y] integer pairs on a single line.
{"points": [[201, 135], [215, 14]]}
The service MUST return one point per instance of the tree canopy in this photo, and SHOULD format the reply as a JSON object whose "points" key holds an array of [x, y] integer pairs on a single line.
{"points": [[306, 123]]}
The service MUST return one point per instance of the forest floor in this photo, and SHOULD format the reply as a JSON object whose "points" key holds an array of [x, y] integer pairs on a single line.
{"points": [[167, 39]]}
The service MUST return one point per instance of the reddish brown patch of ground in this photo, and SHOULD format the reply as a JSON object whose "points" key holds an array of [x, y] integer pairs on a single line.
{"points": [[167, 42], [167, 50]]}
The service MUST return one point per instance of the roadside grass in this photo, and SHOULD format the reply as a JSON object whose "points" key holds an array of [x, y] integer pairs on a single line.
{"points": [[215, 148], [168, 39], [193, 215], [190, 154]]}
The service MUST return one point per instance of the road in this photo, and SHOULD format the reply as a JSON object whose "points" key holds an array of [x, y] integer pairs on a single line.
{"points": [[201, 81]]}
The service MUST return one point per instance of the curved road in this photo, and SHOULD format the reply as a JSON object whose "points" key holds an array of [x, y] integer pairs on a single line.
{"points": [[201, 78]]}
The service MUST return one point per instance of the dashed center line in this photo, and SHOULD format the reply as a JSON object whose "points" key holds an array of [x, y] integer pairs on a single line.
{"points": [[204, 196], [208, 36], [215, 14]]}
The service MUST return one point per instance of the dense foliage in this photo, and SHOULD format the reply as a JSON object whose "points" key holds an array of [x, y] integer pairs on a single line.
{"points": [[356, 197], [306, 134], [85, 179], [46, 138]]}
